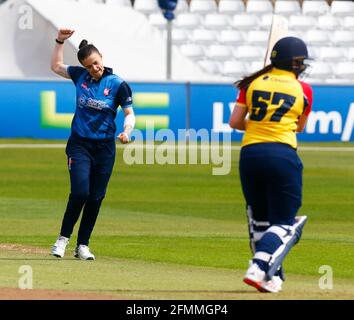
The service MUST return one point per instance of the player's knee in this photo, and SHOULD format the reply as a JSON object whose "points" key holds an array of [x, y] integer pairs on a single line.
{"points": [[96, 197], [82, 195], [281, 231]]}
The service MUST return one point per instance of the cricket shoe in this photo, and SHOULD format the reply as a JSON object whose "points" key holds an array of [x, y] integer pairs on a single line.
{"points": [[82, 252], [255, 277], [273, 285], [58, 249]]}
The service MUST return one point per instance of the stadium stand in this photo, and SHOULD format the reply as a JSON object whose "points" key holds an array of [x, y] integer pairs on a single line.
{"points": [[218, 52], [350, 54], [231, 37], [345, 70], [216, 21], [157, 20], [266, 21], [321, 71], [249, 53], [259, 7], [123, 3], [210, 66], [287, 8], [211, 34], [128, 42], [331, 54], [193, 51], [179, 36], [243, 27], [245, 22], [343, 38], [203, 6], [234, 68], [342, 8], [182, 6], [301, 22], [315, 37], [203, 36], [315, 8], [146, 6], [328, 22], [231, 7]]}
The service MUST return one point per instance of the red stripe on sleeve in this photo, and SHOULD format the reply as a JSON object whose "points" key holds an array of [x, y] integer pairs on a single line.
{"points": [[308, 97], [241, 99]]}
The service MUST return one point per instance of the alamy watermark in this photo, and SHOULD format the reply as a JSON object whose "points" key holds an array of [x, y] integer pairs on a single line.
{"points": [[26, 279], [25, 21], [188, 147], [326, 281]]}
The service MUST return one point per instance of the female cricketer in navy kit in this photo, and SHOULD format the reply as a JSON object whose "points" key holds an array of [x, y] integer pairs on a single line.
{"points": [[278, 105], [91, 146]]}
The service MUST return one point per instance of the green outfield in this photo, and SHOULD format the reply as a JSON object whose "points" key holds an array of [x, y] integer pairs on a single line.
{"points": [[171, 231]]}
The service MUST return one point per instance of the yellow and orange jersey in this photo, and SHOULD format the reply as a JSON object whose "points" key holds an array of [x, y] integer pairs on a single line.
{"points": [[275, 101]]}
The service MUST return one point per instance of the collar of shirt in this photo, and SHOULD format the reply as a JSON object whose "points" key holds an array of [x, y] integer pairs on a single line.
{"points": [[283, 72], [107, 71]]}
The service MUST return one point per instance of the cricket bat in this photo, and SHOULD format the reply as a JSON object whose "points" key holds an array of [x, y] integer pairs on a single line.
{"points": [[279, 29]]}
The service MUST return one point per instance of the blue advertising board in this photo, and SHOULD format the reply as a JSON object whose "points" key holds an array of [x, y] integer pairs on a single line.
{"points": [[332, 118], [44, 109], [40, 109], [21, 108]]}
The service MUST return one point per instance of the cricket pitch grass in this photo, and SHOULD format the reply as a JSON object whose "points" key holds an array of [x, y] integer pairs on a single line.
{"points": [[168, 231]]}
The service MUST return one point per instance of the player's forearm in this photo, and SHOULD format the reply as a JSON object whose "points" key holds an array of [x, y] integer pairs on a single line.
{"points": [[301, 124], [129, 121], [242, 125], [238, 118], [57, 62], [57, 57]]}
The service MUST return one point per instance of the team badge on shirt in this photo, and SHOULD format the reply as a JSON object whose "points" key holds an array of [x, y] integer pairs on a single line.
{"points": [[84, 85], [106, 92]]}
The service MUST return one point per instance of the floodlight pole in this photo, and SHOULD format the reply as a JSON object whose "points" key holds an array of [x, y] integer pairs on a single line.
{"points": [[169, 50], [167, 7]]}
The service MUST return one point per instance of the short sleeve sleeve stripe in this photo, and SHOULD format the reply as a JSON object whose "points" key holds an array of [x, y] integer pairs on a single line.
{"points": [[308, 97], [241, 98], [75, 73], [124, 96]]}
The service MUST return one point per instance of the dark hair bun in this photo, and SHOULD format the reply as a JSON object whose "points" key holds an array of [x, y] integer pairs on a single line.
{"points": [[85, 50], [83, 43]]}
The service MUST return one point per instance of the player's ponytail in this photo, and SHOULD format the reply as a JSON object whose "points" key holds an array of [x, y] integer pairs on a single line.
{"points": [[83, 43], [85, 50], [246, 81]]}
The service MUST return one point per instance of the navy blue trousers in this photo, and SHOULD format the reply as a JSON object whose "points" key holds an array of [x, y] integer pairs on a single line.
{"points": [[271, 178], [90, 166]]}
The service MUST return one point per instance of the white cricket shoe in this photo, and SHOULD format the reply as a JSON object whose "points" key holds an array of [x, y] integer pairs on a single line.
{"points": [[273, 285], [58, 249], [254, 277], [82, 252]]}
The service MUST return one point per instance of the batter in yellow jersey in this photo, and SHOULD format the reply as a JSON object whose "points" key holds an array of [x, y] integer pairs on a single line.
{"points": [[272, 106]]}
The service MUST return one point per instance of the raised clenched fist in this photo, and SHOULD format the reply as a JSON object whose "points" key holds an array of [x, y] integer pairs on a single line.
{"points": [[64, 34]]}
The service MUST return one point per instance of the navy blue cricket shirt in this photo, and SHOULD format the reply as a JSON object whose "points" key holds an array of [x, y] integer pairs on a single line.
{"points": [[97, 103]]}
